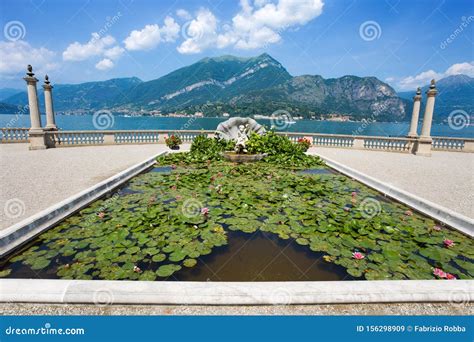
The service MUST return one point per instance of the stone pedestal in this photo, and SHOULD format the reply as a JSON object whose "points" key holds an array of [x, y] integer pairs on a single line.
{"points": [[423, 147], [48, 102], [36, 133], [413, 133]]}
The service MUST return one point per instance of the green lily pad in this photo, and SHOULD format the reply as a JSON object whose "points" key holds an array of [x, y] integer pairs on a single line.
{"points": [[167, 270], [189, 262]]}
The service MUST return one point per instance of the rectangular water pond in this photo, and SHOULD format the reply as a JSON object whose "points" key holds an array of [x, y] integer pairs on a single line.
{"points": [[246, 222]]}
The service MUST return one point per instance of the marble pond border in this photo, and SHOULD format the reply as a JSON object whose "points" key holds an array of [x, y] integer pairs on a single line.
{"points": [[24, 231], [110, 292]]}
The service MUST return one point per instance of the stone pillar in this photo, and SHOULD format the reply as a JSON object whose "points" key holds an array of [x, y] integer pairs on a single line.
{"points": [[36, 133], [413, 133], [48, 103], [425, 141]]}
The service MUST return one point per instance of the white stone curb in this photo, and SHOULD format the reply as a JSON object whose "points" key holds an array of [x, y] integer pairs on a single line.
{"points": [[106, 292], [23, 231], [457, 221]]}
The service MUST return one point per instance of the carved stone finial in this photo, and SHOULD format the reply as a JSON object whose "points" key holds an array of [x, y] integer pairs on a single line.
{"points": [[418, 91], [46, 79], [433, 84], [30, 70]]}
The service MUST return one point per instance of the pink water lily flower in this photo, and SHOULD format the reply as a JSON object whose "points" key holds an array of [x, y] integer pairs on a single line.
{"points": [[173, 187], [173, 166], [408, 213], [448, 243], [439, 273], [358, 255], [178, 197], [137, 269], [101, 214], [450, 276], [354, 194], [205, 211], [437, 228]]}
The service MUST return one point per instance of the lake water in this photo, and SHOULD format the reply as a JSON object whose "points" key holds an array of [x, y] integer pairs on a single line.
{"points": [[86, 122]]}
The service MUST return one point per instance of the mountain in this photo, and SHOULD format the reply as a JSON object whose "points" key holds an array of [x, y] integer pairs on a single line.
{"points": [[208, 80], [454, 93], [240, 86], [6, 108], [7, 92], [90, 95]]}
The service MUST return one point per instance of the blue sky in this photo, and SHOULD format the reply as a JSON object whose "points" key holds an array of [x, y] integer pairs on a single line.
{"points": [[405, 43]]}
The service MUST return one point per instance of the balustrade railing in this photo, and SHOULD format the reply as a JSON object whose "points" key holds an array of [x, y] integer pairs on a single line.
{"points": [[80, 138], [13, 135]]}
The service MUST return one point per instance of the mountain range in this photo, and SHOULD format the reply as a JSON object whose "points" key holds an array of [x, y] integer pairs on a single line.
{"points": [[239, 86]]}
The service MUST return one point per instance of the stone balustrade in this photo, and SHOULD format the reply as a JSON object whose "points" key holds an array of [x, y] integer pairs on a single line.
{"points": [[13, 135], [87, 138]]}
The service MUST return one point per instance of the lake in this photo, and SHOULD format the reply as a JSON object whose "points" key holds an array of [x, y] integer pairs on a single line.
{"points": [[85, 122]]}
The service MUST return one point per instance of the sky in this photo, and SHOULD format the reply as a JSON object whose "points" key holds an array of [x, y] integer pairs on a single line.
{"points": [[405, 43]]}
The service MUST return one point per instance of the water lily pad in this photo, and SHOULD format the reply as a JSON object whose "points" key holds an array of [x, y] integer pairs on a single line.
{"points": [[167, 270], [158, 257], [190, 262]]}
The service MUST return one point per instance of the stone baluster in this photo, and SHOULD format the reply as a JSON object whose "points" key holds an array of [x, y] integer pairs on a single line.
{"points": [[413, 133], [48, 103], [425, 141], [36, 132]]}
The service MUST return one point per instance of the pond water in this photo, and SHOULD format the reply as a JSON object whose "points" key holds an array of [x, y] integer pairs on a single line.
{"points": [[258, 222]]}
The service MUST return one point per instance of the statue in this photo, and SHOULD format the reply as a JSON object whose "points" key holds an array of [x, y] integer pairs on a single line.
{"points": [[242, 138]]}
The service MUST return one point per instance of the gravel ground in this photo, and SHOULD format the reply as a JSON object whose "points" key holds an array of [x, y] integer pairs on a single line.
{"points": [[445, 178], [32, 181], [336, 309]]}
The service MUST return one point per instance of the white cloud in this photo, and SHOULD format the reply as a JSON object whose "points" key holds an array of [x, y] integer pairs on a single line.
{"points": [[183, 14], [114, 52], [257, 24], [151, 35], [15, 56], [105, 64], [412, 82], [96, 46], [461, 68], [200, 33]]}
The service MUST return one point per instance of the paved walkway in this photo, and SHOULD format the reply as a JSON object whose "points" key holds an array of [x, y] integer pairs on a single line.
{"points": [[32, 181], [445, 178]]}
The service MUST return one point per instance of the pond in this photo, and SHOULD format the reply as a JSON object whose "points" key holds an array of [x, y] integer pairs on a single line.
{"points": [[244, 222]]}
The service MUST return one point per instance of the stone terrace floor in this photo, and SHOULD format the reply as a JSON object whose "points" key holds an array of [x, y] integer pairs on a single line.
{"points": [[445, 178], [43, 178]]}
